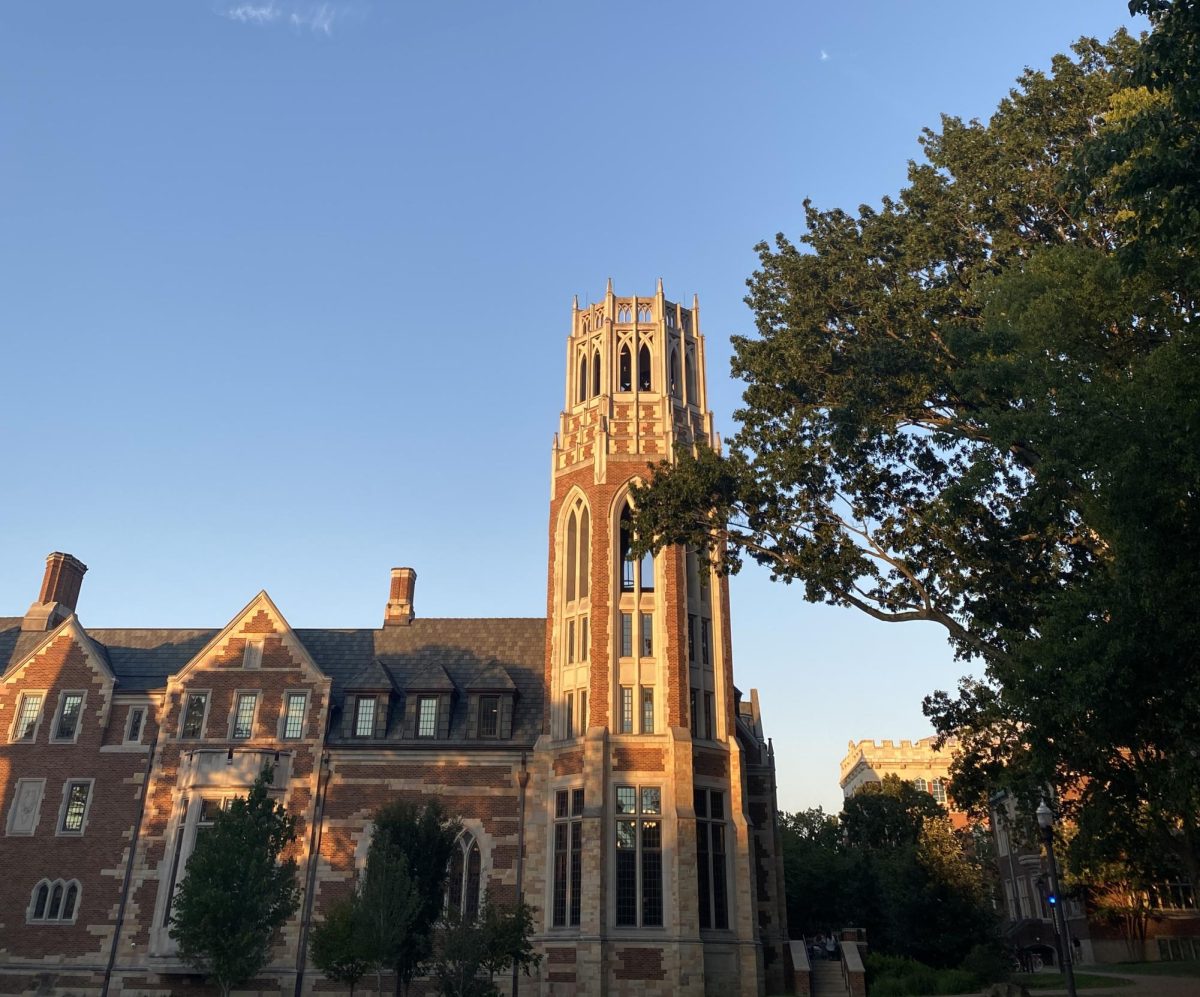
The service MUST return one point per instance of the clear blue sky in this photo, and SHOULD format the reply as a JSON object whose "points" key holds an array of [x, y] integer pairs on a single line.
{"points": [[284, 287]]}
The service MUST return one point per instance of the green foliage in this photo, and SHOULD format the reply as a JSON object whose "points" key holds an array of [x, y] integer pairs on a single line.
{"points": [[988, 963], [896, 976], [339, 946], [469, 954], [236, 892], [978, 404], [890, 863], [404, 885]]}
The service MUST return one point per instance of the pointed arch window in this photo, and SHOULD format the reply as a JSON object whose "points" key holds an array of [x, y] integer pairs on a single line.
{"points": [[644, 379], [596, 372], [675, 372], [572, 546], [635, 575], [577, 542], [41, 899], [690, 374], [465, 874], [583, 378], [625, 367], [584, 547]]}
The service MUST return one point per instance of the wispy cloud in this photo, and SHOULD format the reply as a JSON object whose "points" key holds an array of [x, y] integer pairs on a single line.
{"points": [[318, 18], [824, 56]]}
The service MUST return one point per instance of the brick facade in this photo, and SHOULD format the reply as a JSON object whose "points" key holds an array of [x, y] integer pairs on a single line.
{"points": [[592, 740]]}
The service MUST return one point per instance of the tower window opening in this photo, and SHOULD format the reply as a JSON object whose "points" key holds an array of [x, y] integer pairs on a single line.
{"points": [[584, 546], [627, 564], [583, 379], [646, 572], [644, 380], [572, 541], [690, 375], [596, 372], [675, 372], [625, 369]]}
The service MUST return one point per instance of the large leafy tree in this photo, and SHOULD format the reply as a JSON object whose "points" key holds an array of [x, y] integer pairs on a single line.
{"points": [[338, 944], [976, 405], [237, 892]]}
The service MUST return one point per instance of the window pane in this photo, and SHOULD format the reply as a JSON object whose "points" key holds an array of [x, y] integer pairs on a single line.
{"points": [[702, 874], [39, 905], [691, 637], [626, 635], [135, 724], [572, 542], [652, 900], [717, 808], [626, 885], [243, 723], [455, 879], [647, 635], [77, 797], [560, 803], [560, 873], [364, 716], [489, 716], [708, 715], [193, 717], [647, 711], [576, 868], [577, 803], [651, 800], [474, 868], [570, 715], [700, 802], [584, 541], [626, 710], [31, 707], [427, 717], [570, 642], [293, 726], [55, 902], [704, 642], [68, 910], [68, 720], [583, 639], [646, 572], [626, 799], [583, 713]]}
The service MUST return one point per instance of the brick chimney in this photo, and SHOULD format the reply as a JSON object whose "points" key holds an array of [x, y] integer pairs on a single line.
{"points": [[399, 612], [59, 595]]}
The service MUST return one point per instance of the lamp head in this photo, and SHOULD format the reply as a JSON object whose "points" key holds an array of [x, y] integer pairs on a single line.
{"points": [[1045, 817]]}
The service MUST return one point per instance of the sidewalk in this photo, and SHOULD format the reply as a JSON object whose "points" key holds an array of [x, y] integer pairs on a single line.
{"points": [[1141, 986]]}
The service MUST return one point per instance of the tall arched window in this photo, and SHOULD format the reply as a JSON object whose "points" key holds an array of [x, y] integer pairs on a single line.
{"points": [[690, 373], [56, 896], [644, 380], [466, 865], [634, 575], [583, 379], [584, 547], [596, 372], [40, 901], [68, 910], [625, 367], [572, 541], [675, 372]]}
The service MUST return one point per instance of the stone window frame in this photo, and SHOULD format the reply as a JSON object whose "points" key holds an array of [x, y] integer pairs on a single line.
{"points": [[639, 817], [183, 709], [574, 566], [37, 725], [235, 708], [12, 808], [145, 712], [284, 707], [709, 874], [50, 884], [60, 828], [471, 889], [58, 715], [422, 699]]}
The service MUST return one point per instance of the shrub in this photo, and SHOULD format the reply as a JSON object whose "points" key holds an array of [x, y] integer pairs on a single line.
{"points": [[987, 964]]}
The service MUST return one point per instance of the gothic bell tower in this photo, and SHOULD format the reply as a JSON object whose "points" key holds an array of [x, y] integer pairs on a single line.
{"points": [[649, 874]]}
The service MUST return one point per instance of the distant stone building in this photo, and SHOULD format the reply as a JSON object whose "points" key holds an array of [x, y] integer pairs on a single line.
{"points": [[919, 762], [604, 765]]}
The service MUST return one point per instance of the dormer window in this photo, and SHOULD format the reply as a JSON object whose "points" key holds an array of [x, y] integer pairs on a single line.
{"points": [[364, 716], [489, 716], [427, 716]]}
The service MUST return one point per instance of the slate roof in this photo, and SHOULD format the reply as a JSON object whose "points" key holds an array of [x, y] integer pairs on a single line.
{"points": [[430, 655]]}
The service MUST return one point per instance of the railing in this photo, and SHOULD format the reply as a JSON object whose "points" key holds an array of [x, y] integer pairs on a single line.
{"points": [[853, 972], [801, 971]]}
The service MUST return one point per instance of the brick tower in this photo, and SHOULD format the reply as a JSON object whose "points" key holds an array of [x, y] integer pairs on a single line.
{"points": [[650, 885]]}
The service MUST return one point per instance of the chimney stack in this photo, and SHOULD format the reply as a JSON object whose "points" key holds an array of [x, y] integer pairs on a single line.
{"points": [[399, 612], [59, 595]]}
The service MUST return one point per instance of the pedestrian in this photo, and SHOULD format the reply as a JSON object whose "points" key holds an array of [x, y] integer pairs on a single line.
{"points": [[830, 947]]}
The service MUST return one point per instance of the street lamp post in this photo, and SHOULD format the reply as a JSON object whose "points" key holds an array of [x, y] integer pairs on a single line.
{"points": [[1045, 819]]}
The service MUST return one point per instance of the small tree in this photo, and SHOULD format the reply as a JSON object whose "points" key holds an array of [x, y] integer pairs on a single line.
{"points": [[236, 892], [405, 884], [338, 944], [468, 954]]}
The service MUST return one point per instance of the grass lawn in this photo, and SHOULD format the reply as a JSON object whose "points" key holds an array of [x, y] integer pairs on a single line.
{"points": [[1185, 967], [1055, 981]]}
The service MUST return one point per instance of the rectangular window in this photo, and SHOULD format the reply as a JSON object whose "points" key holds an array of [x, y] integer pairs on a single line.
{"points": [[570, 642], [243, 720], [639, 899], [647, 634], [489, 716], [27, 716], [293, 720], [364, 716], [710, 859], [583, 716], [627, 635], [427, 715], [626, 709], [568, 857], [76, 808], [704, 642], [691, 638], [583, 639], [68, 716], [647, 710], [708, 715], [570, 715], [133, 733], [693, 717], [193, 715]]}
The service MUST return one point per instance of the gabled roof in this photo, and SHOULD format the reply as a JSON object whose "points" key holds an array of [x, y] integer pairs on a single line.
{"points": [[26, 651]]}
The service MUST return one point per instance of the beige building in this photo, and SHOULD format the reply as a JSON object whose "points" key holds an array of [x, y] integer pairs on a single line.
{"points": [[919, 762]]}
